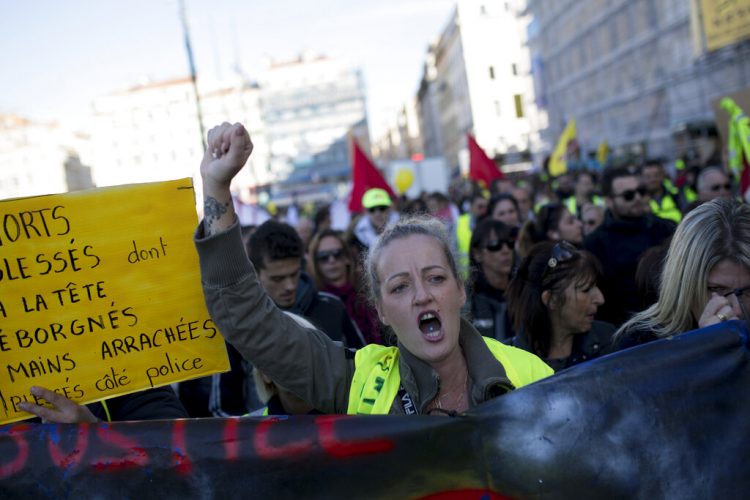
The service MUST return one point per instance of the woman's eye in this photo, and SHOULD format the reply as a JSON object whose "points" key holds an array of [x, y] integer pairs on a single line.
{"points": [[437, 279], [398, 288]]}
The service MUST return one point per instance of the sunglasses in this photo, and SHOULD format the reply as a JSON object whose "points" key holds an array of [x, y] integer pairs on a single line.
{"points": [[497, 245], [326, 255], [381, 208], [562, 252], [717, 187], [629, 195]]}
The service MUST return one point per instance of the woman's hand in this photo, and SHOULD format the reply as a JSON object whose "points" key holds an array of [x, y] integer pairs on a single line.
{"points": [[229, 147], [717, 310], [65, 411]]}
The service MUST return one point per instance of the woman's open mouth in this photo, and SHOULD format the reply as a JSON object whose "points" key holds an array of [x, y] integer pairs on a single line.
{"points": [[430, 325]]}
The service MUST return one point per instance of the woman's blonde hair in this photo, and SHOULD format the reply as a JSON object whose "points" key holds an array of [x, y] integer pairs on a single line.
{"points": [[714, 231]]}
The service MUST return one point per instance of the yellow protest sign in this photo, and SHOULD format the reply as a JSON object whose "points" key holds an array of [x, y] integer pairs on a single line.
{"points": [[100, 294]]}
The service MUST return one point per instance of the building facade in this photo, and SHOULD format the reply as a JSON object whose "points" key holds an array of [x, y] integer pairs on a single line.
{"points": [[428, 114], [309, 107], [151, 133], [39, 158], [476, 80], [631, 72], [403, 138]]}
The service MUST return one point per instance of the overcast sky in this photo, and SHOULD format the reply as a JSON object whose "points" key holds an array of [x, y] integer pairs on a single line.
{"points": [[58, 55]]}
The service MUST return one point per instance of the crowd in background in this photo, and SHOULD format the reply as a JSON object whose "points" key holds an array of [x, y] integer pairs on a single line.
{"points": [[513, 240], [552, 272]]}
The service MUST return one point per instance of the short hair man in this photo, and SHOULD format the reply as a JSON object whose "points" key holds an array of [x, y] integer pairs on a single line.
{"points": [[665, 201], [465, 225], [522, 194], [628, 230], [712, 183], [501, 185], [276, 251], [583, 193], [380, 213]]}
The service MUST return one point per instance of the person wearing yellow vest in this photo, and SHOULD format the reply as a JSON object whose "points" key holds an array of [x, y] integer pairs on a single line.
{"points": [[465, 226], [665, 201], [585, 184], [440, 365]]}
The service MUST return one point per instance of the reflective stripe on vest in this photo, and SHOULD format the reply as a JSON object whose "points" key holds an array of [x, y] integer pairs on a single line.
{"points": [[463, 241], [572, 204], [667, 209], [377, 377], [375, 382]]}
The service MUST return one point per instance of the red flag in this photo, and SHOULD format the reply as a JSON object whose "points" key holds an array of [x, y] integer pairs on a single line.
{"points": [[481, 167], [364, 176]]}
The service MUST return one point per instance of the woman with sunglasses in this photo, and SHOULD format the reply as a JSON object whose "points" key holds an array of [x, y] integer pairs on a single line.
{"points": [[491, 262], [553, 300], [441, 363], [706, 275], [554, 222], [332, 267]]}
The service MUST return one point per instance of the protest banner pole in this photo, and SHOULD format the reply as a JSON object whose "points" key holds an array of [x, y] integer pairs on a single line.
{"points": [[191, 62]]}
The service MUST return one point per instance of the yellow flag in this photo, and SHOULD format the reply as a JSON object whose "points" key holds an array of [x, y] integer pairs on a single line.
{"points": [[558, 164], [602, 153]]}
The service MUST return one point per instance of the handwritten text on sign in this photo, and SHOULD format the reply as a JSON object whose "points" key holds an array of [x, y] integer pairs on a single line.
{"points": [[100, 294]]}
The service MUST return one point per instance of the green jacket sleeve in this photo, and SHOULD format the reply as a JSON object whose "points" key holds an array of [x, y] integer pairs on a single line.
{"points": [[303, 360]]}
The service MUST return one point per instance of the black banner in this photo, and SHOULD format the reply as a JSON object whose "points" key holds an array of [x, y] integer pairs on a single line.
{"points": [[670, 419]]}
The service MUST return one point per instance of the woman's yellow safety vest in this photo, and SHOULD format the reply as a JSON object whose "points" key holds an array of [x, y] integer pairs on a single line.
{"points": [[377, 380]]}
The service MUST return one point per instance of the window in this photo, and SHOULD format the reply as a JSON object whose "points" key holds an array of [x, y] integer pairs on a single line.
{"points": [[492, 72], [514, 69], [517, 98], [497, 108]]}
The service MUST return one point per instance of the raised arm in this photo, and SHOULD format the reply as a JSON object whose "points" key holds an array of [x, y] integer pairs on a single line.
{"points": [[229, 147], [300, 359]]}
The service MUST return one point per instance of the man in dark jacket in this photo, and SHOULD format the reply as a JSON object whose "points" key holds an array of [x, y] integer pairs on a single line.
{"points": [[628, 230], [277, 252]]}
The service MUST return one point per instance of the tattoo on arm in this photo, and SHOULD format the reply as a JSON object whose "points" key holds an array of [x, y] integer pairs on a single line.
{"points": [[212, 212]]}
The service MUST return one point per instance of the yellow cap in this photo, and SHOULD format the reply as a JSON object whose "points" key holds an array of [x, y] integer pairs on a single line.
{"points": [[376, 197]]}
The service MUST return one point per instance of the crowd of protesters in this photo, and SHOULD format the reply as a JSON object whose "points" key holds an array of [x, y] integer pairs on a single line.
{"points": [[510, 282]]}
